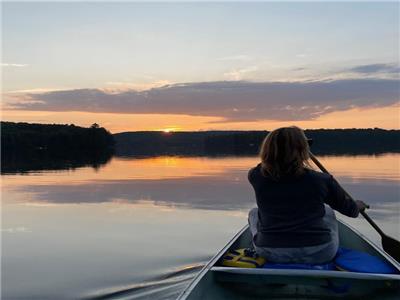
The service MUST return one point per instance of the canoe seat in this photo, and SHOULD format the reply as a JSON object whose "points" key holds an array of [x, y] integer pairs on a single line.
{"points": [[326, 267], [296, 273]]}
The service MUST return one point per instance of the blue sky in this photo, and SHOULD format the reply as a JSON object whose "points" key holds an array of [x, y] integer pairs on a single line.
{"points": [[95, 44], [120, 46]]}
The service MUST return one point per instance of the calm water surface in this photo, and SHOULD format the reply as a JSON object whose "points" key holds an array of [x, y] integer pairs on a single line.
{"points": [[141, 228]]}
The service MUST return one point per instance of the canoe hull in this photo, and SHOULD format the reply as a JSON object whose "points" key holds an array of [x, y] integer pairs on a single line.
{"points": [[216, 282]]}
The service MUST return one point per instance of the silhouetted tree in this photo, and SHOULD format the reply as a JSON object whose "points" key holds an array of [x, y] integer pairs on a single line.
{"points": [[25, 144]]}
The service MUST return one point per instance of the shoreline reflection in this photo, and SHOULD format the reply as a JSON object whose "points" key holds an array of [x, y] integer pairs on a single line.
{"points": [[198, 182]]}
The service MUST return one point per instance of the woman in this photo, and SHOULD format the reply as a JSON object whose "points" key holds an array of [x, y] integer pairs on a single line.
{"points": [[294, 221]]}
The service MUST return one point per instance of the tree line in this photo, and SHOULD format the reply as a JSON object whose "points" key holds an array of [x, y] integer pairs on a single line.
{"points": [[326, 141], [27, 146], [35, 146]]}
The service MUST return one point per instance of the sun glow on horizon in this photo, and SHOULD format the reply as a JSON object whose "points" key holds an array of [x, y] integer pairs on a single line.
{"points": [[171, 129]]}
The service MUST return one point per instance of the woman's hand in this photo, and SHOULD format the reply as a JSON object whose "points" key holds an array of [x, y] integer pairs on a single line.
{"points": [[361, 205]]}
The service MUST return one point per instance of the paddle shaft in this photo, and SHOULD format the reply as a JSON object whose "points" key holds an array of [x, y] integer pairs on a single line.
{"points": [[364, 214]]}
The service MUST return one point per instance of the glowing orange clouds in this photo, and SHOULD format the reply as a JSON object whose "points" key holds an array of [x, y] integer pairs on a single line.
{"points": [[384, 117]]}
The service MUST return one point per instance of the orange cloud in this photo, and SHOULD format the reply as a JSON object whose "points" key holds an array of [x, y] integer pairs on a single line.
{"points": [[230, 101], [383, 117]]}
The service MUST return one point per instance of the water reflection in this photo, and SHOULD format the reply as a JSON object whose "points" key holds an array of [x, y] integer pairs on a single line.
{"points": [[201, 183], [35, 162], [77, 233], [71, 251]]}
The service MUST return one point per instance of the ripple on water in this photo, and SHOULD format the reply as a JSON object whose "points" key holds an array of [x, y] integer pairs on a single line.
{"points": [[166, 286]]}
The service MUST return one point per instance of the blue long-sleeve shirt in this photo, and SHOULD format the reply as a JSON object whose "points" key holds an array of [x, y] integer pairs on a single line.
{"points": [[291, 209]]}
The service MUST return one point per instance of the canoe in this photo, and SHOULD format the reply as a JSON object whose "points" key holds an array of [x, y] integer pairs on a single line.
{"points": [[218, 282]]}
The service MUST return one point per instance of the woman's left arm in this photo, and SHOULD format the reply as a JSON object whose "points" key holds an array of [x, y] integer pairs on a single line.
{"points": [[339, 201]]}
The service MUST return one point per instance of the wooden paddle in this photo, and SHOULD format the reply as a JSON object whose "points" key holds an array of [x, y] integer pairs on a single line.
{"points": [[389, 244]]}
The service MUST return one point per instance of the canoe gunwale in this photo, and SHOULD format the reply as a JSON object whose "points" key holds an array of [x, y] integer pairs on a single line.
{"points": [[210, 264]]}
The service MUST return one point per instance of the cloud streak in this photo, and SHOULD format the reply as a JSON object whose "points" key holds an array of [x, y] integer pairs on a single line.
{"points": [[229, 100], [239, 57], [376, 68], [238, 74], [14, 65]]}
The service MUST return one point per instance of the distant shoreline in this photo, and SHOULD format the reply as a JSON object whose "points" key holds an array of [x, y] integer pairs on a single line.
{"points": [[244, 130], [42, 146], [326, 141]]}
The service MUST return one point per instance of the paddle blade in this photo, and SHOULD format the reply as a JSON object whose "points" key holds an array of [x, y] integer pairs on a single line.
{"points": [[391, 246]]}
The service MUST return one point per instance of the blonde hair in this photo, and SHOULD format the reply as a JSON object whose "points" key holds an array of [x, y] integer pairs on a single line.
{"points": [[284, 152]]}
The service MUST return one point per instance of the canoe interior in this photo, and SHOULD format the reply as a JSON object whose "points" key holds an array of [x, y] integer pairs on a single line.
{"points": [[347, 238], [218, 282]]}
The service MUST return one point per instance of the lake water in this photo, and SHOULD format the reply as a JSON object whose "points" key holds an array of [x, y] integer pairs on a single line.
{"points": [[142, 228]]}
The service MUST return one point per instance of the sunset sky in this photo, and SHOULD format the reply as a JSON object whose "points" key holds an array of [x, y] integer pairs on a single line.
{"points": [[202, 66]]}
